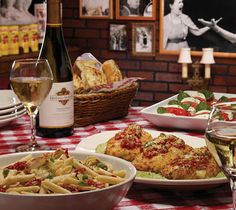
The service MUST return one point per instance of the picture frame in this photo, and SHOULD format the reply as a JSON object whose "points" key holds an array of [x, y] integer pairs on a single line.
{"points": [[144, 10], [143, 39], [118, 37], [96, 9], [194, 10]]}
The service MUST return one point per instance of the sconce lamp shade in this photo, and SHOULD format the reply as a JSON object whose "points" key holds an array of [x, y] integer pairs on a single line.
{"points": [[207, 56], [185, 56]]}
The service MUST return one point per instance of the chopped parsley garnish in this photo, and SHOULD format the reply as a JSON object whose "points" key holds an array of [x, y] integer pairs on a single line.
{"points": [[5, 172]]}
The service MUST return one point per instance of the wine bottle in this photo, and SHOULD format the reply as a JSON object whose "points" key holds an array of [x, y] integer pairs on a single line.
{"points": [[56, 115]]}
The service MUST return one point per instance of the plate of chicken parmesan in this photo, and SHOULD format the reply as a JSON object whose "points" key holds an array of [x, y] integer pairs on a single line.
{"points": [[169, 160], [186, 110]]}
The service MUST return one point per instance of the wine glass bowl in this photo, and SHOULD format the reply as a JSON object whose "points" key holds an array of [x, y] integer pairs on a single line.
{"points": [[31, 80], [221, 140]]}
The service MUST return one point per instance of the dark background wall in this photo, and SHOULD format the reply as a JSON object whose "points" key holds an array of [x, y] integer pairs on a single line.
{"points": [[162, 73]]}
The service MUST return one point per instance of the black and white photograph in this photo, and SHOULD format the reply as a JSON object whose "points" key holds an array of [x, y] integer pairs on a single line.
{"points": [[118, 37], [198, 24], [143, 35], [136, 9], [102, 9]]}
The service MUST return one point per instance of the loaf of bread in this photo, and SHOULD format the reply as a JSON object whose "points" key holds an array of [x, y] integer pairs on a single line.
{"points": [[88, 75], [111, 71], [91, 73]]}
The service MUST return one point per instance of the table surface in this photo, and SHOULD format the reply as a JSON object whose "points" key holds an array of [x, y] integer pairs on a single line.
{"points": [[140, 196]]}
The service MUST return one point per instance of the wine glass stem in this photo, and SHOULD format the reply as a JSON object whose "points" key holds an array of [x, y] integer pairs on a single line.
{"points": [[233, 188], [33, 142]]}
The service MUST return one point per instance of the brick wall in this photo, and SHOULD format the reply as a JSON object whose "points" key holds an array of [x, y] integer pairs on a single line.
{"points": [[162, 73]]}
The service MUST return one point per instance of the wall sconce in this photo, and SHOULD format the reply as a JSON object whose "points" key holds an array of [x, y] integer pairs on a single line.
{"points": [[196, 81], [207, 59], [185, 58]]}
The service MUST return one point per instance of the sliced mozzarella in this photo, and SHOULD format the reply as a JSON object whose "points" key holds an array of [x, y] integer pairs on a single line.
{"points": [[190, 99], [230, 115], [191, 110], [198, 95], [202, 112]]}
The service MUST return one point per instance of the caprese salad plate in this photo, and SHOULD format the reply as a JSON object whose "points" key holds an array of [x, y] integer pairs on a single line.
{"points": [[187, 110]]}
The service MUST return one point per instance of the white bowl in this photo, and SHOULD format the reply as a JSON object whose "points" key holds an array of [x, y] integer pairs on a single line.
{"points": [[106, 198]]}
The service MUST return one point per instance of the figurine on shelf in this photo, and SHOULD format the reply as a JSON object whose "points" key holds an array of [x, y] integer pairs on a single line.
{"points": [[15, 12]]}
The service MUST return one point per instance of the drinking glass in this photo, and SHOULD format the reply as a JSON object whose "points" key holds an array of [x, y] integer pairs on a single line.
{"points": [[221, 140], [31, 80]]}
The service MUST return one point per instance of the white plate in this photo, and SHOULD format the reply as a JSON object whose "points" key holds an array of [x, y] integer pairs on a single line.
{"points": [[5, 122], [13, 114], [9, 110], [180, 122], [90, 143], [8, 99]]}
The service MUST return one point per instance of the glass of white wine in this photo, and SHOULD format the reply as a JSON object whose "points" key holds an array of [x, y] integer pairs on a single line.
{"points": [[31, 80], [221, 140]]}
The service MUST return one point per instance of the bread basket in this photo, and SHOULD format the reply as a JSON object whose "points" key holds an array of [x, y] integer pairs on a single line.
{"points": [[98, 107]]}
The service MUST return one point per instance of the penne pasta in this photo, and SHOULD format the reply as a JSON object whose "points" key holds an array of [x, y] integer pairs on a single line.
{"points": [[58, 173], [54, 187], [109, 179]]}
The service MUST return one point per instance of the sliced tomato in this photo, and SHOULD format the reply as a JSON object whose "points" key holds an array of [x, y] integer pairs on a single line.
{"points": [[199, 98], [177, 111], [232, 99], [193, 104], [224, 116]]}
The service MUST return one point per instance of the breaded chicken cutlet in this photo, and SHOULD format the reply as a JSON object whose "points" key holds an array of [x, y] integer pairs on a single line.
{"points": [[126, 144], [155, 154], [197, 164]]}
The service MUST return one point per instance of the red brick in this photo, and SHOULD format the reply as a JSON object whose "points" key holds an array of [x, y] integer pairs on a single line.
{"points": [[218, 89], [168, 77], [154, 65], [142, 74], [144, 96], [162, 96], [88, 33], [153, 86], [73, 23], [98, 24], [232, 70], [94, 43], [175, 88]]}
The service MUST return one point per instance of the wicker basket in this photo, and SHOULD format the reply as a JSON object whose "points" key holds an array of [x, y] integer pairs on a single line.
{"points": [[99, 107]]}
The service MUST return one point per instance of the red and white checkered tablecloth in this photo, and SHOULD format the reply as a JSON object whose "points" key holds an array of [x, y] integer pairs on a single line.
{"points": [[140, 196]]}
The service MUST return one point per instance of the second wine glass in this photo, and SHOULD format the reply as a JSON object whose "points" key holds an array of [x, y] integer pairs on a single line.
{"points": [[221, 140], [31, 80]]}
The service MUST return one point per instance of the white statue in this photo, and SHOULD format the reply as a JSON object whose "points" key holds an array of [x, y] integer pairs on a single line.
{"points": [[15, 12]]}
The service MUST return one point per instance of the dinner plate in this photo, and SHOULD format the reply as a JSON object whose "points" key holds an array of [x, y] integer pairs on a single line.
{"points": [[8, 99], [90, 143], [12, 114], [5, 122], [179, 122], [9, 110]]}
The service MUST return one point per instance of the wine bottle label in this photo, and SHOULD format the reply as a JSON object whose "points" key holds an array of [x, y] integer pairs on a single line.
{"points": [[57, 110]]}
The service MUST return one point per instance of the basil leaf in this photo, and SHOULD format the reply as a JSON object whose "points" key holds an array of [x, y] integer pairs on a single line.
{"points": [[202, 106], [161, 110], [182, 95], [208, 94]]}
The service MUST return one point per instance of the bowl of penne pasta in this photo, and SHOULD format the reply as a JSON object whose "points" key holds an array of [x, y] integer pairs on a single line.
{"points": [[46, 180]]}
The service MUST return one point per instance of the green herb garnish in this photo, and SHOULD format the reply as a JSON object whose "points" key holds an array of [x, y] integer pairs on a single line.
{"points": [[5, 172]]}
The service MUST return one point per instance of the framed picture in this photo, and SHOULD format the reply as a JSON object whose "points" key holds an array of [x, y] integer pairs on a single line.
{"points": [[143, 39], [188, 28], [99, 9], [118, 37], [136, 9]]}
